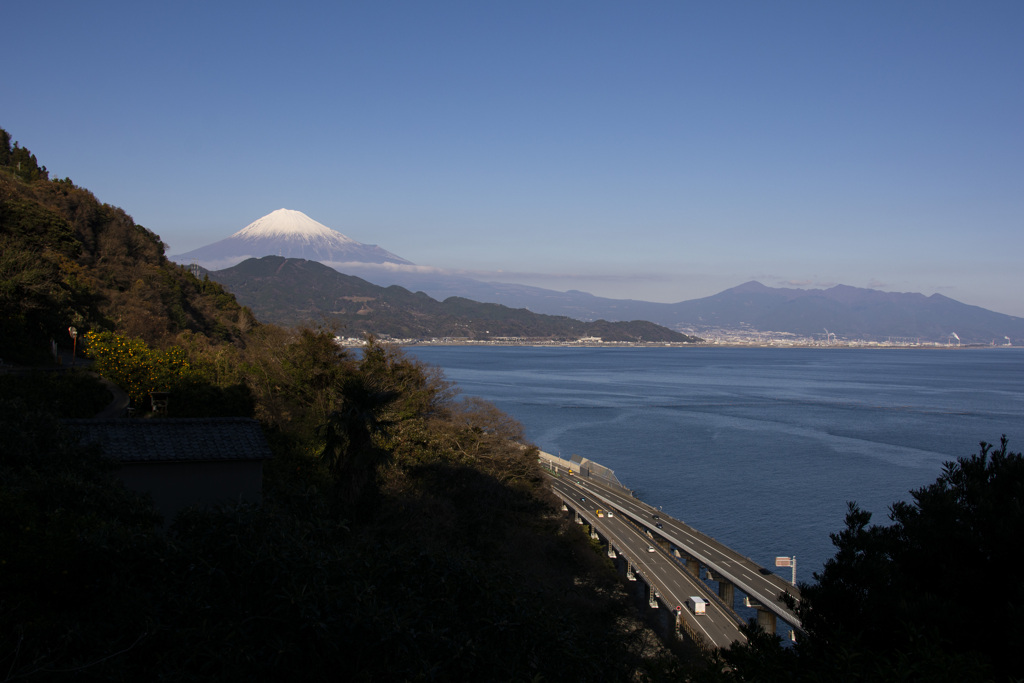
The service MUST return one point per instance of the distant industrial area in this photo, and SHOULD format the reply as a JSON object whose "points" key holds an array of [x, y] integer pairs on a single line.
{"points": [[738, 338], [289, 269]]}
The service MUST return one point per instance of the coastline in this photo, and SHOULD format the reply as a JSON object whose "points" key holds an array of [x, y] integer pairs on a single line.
{"points": [[712, 345]]}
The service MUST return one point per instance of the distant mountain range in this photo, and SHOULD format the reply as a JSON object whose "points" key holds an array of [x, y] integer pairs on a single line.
{"points": [[296, 291], [847, 312], [850, 312]]}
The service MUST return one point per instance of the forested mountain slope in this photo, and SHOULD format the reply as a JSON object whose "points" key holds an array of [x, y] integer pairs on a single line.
{"points": [[404, 534], [293, 291], [67, 259]]}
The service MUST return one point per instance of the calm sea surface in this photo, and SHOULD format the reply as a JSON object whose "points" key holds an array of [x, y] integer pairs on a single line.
{"points": [[760, 448]]}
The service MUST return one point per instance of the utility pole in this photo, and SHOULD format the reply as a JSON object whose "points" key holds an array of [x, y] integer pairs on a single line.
{"points": [[74, 343]]}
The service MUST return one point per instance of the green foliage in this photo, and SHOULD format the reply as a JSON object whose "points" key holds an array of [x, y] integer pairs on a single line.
{"points": [[885, 606], [206, 400], [462, 572], [293, 376], [72, 543], [297, 292], [383, 390], [136, 368], [37, 227], [66, 259], [65, 394], [350, 453], [420, 389], [19, 161], [40, 295], [31, 302]]}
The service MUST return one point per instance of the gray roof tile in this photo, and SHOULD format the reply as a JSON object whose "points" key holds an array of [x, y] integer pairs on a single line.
{"points": [[174, 439]]}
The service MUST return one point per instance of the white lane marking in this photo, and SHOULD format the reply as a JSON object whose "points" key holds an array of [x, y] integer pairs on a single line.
{"points": [[648, 567], [716, 617]]}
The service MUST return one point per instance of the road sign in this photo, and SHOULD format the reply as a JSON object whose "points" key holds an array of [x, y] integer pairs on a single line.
{"points": [[787, 562], [74, 343]]}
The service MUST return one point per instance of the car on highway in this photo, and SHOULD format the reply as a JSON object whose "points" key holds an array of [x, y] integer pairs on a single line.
{"points": [[650, 548], [655, 517], [658, 524], [582, 499]]}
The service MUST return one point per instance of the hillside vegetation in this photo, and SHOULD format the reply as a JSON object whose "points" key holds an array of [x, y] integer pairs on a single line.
{"points": [[404, 534], [296, 291], [66, 259]]}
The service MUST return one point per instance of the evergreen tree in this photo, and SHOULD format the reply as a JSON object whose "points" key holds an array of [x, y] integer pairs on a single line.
{"points": [[905, 601], [5, 148]]}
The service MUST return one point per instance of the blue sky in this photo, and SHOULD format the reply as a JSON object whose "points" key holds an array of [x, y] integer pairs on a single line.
{"points": [[653, 150]]}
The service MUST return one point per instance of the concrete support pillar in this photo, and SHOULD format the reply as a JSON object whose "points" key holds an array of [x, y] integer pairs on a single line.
{"points": [[766, 620], [693, 566], [727, 592]]}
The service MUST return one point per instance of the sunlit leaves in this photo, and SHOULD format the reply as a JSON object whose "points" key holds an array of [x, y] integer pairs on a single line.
{"points": [[132, 365]]}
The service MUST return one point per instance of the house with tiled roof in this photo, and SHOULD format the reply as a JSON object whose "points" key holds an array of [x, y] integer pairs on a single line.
{"points": [[183, 461]]}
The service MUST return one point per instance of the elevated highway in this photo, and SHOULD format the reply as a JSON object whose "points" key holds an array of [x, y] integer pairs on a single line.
{"points": [[671, 583], [763, 588]]}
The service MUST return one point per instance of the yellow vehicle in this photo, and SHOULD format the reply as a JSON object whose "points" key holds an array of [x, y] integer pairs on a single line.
{"points": [[600, 512]]}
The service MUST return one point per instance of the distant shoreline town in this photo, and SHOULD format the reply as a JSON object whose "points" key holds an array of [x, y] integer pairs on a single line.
{"points": [[723, 340]]}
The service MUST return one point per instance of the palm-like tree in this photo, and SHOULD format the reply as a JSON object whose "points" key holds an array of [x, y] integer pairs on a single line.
{"points": [[349, 452]]}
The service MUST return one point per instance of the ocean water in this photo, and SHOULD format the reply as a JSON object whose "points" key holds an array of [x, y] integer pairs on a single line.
{"points": [[759, 448]]}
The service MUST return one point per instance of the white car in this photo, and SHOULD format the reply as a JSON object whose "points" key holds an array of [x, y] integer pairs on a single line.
{"points": [[650, 548]]}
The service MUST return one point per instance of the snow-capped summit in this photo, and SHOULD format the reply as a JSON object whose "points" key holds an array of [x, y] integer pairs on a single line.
{"points": [[287, 233], [289, 224]]}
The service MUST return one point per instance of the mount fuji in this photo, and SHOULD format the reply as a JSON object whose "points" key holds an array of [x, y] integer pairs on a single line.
{"points": [[291, 234], [846, 311]]}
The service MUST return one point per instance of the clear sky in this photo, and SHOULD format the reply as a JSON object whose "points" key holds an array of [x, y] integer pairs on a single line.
{"points": [[654, 150]]}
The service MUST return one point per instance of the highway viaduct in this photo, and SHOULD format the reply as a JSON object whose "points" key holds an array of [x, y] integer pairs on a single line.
{"points": [[638, 527]]}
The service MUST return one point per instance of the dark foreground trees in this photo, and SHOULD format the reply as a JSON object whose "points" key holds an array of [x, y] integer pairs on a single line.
{"points": [[936, 595], [422, 547], [402, 536]]}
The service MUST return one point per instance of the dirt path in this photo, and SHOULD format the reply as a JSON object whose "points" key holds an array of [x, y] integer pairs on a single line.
{"points": [[118, 407]]}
